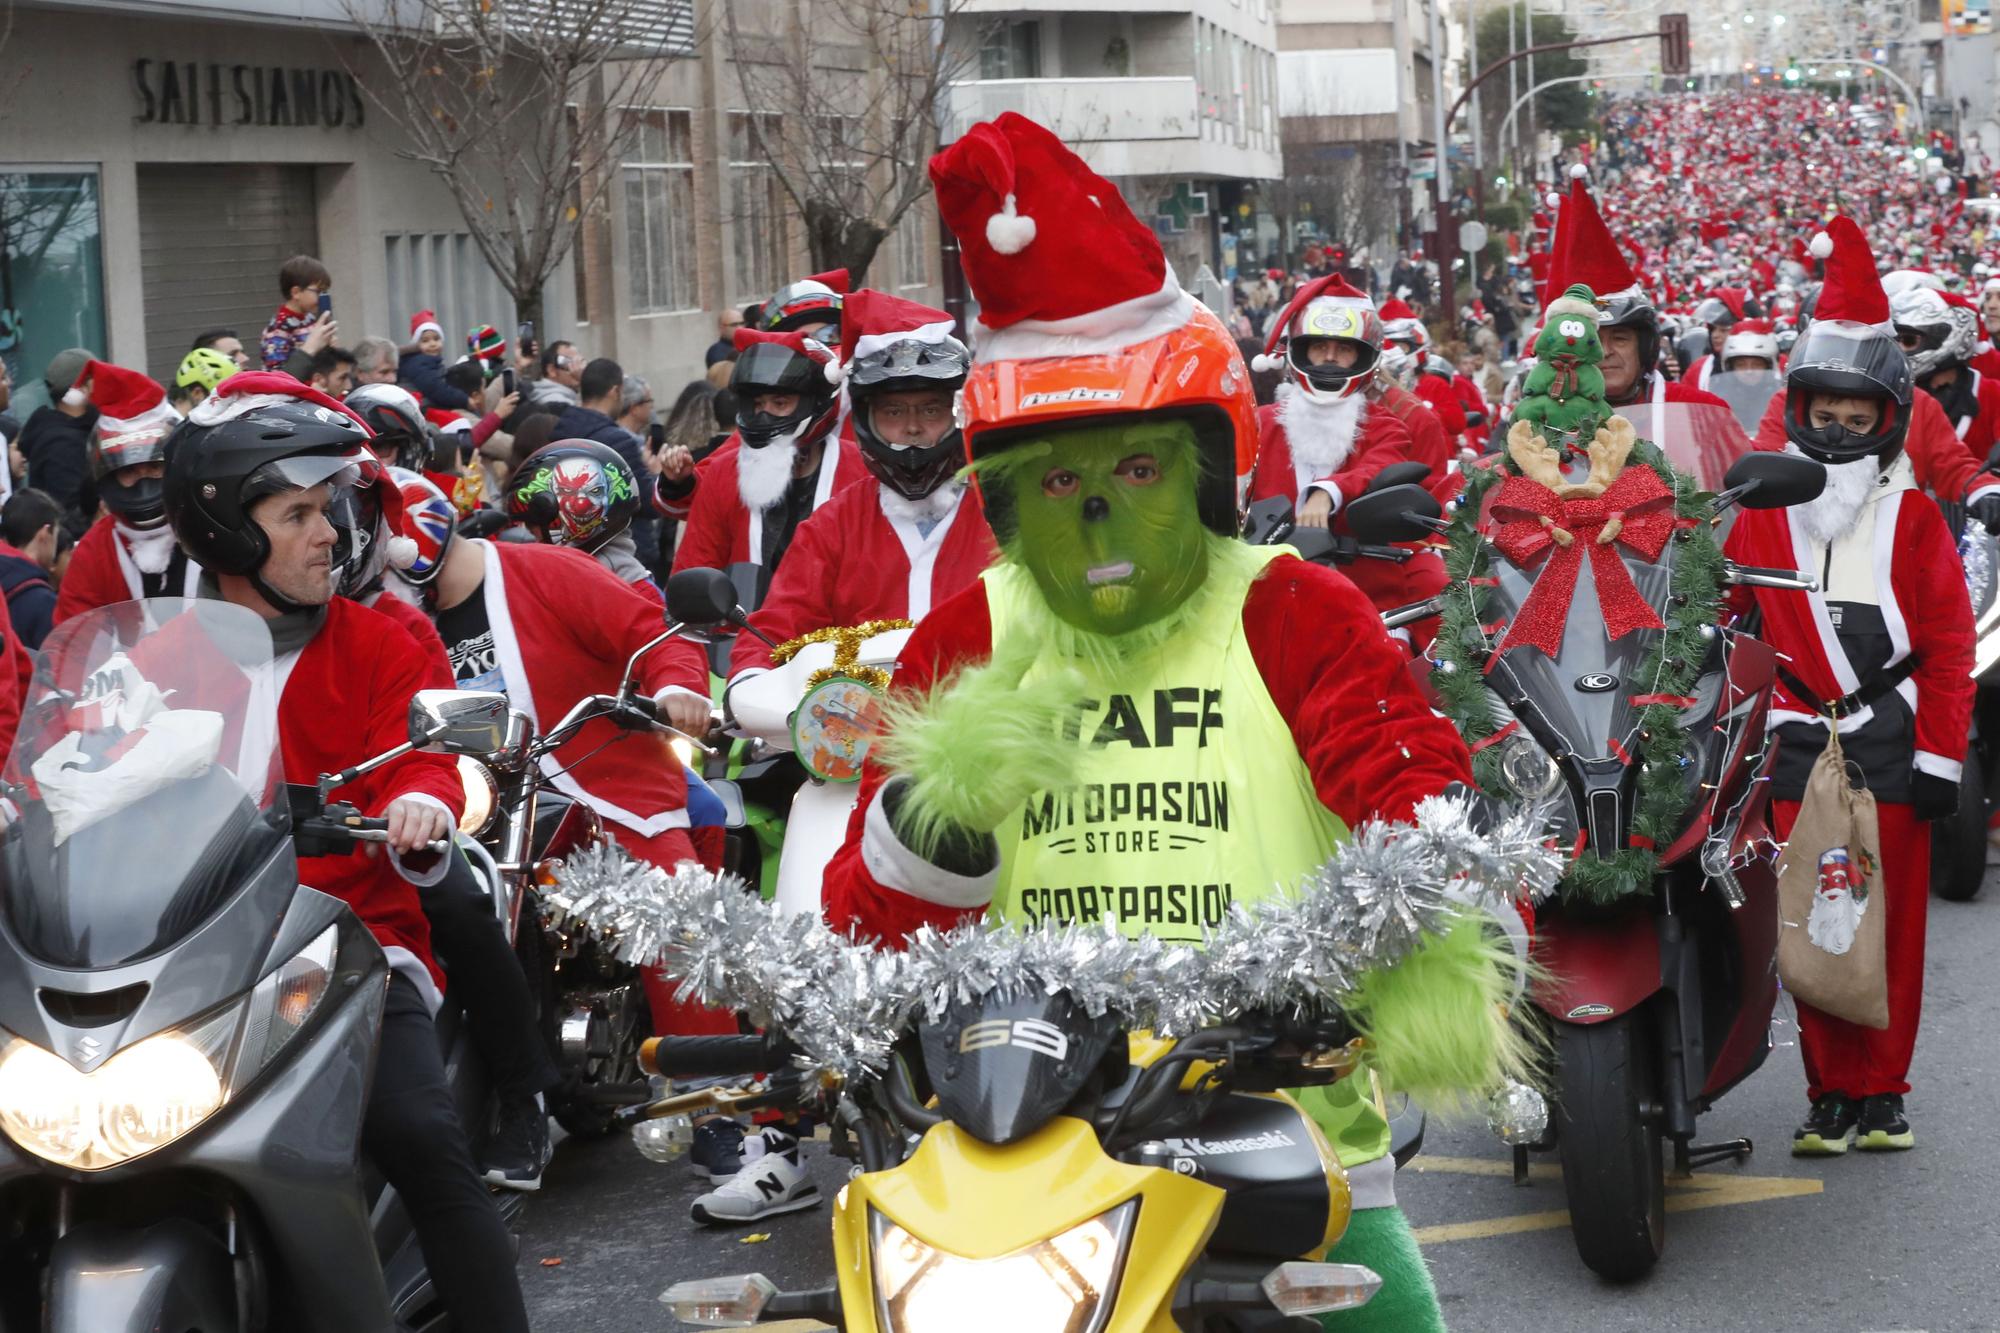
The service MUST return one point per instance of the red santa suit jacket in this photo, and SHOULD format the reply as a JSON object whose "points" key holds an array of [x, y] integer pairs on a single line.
{"points": [[1435, 389], [1943, 467], [563, 628], [1976, 429], [419, 627], [850, 562], [101, 573], [722, 532], [1379, 441], [1910, 570], [1428, 444], [1372, 744]]}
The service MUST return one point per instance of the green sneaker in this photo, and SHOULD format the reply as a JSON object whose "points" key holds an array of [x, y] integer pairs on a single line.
{"points": [[1828, 1130], [1883, 1126]]}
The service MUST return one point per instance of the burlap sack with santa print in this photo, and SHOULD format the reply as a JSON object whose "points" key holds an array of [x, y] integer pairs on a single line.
{"points": [[1832, 941]]}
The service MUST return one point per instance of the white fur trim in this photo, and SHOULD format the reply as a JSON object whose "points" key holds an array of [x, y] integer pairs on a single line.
{"points": [[1094, 333], [834, 371], [932, 334], [1007, 231], [1267, 361], [428, 326], [1951, 770], [218, 408], [1821, 246], [423, 879], [1578, 171], [895, 866], [400, 552], [75, 397], [1553, 199]]}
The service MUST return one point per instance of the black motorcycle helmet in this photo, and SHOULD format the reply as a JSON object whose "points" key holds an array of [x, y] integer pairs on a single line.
{"points": [[775, 365], [574, 493], [1634, 310], [807, 303], [393, 413], [1849, 360], [904, 365], [140, 503], [221, 462]]}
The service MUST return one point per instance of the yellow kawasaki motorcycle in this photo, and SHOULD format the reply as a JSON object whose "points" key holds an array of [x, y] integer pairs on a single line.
{"points": [[1024, 1166]]}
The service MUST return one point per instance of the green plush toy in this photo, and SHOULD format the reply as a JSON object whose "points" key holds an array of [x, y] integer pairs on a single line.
{"points": [[1563, 397]]}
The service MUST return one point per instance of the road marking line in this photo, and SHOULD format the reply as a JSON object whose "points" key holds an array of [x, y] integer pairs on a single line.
{"points": [[1684, 1194]]}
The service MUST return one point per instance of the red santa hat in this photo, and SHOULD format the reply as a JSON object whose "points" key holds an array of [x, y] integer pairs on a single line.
{"points": [[132, 410], [1585, 251], [834, 280], [1057, 260], [1333, 284], [249, 390], [871, 321], [422, 321], [810, 348], [1852, 290], [1396, 308]]}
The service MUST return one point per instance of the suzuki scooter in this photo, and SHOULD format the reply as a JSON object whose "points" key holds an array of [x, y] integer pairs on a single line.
{"points": [[1659, 1003]]}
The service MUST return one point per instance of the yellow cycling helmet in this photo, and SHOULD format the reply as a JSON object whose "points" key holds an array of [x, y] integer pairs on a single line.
{"points": [[204, 366]]}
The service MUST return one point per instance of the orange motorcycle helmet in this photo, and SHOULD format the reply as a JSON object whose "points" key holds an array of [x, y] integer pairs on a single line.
{"points": [[1195, 373]]}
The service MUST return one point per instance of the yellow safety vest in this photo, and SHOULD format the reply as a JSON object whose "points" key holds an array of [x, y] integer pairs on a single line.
{"points": [[1190, 795]]}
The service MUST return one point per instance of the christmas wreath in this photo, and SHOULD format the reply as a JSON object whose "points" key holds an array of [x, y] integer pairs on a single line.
{"points": [[1468, 637]]}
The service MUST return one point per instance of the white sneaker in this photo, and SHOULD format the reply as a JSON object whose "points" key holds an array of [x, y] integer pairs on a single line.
{"points": [[771, 1181]]}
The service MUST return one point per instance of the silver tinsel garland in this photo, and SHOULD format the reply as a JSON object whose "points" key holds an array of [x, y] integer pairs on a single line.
{"points": [[843, 1002]]}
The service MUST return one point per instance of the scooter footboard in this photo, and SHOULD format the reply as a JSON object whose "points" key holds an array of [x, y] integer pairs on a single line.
{"points": [[1595, 967], [170, 1275]]}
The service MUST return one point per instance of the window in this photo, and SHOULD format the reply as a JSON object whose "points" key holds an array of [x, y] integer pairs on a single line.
{"points": [[444, 271], [659, 213], [757, 208], [912, 240], [51, 274], [1012, 51]]}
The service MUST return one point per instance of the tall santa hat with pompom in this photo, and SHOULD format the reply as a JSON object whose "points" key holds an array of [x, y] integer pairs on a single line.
{"points": [[132, 412], [1585, 251], [1853, 289], [249, 390], [1061, 264]]}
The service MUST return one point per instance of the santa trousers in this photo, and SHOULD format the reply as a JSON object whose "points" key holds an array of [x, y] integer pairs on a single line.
{"points": [[1861, 1061], [671, 1017]]}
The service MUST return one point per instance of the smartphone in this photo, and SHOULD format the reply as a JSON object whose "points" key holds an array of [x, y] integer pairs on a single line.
{"points": [[657, 434], [325, 304], [506, 381], [524, 337]]}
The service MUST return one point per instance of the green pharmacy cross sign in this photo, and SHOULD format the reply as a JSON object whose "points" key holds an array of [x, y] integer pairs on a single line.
{"points": [[1178, 207]]}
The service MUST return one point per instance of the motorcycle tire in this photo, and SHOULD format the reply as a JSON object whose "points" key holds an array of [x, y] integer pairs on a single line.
{"points": [[1610, 1146], [1958, 843]]}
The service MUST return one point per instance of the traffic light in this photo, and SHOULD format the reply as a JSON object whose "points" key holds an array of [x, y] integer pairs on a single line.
{"points": [[1674, 44]]}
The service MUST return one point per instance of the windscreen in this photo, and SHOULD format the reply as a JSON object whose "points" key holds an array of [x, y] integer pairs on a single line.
{"points": [[144, 780]]}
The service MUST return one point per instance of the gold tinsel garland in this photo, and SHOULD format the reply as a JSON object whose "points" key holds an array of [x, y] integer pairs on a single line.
{"points": [[846, 641]]}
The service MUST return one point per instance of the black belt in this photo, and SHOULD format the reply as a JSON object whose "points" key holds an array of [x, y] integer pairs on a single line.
{"points": [[1849, 704]]}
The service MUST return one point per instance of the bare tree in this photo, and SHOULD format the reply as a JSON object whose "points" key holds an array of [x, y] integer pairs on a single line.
{"points": [[1338, 189], [518, 106], [845, 103]]}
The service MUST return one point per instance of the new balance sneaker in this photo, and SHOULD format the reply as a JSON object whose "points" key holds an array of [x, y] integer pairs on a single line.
{"points": [[1829, 1130], [518, 1150], [1883, 1126], [773, 1180], [717, 1154]]}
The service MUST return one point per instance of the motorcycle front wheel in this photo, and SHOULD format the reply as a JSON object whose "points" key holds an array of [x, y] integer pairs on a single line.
{"points": [[1609, 1142]]}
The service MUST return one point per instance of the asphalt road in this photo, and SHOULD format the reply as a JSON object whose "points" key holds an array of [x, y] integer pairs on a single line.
{"points": [[1861, 1244]]}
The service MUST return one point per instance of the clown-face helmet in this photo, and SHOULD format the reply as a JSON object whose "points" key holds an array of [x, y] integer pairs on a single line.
{"points": [[574, 493]]}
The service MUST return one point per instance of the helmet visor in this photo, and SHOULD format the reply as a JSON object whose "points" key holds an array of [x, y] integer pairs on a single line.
{"points": [[1837, 356]]}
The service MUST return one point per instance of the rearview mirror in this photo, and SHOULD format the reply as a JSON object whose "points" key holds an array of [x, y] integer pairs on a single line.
{"points": [[470, 722], [1767, 479], [1398, 474], [1396, 514], [703, 597]]}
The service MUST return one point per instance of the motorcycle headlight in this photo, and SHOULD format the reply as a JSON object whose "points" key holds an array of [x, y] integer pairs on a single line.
{"points": [[1064, 1284], [482, 796], [155, 1091], [1528, 769]]}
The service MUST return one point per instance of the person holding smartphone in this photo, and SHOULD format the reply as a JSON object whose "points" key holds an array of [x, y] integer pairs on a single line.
{"points": [[303, 325]]}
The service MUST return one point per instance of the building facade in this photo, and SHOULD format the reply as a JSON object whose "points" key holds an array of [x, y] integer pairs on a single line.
{"points": [[161, 160]]}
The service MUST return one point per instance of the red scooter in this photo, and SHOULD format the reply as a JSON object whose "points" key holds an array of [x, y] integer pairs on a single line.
{"points": [[1661, 1002]]}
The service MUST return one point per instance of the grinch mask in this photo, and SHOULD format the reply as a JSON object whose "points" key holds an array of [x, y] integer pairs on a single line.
{"points": [[1106, 520]]}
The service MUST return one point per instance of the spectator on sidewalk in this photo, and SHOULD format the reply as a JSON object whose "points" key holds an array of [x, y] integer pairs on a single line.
{"points": [[297, 331], [31, 560]]}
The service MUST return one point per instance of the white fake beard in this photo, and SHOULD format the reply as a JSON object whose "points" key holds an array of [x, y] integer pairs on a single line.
{"points": [[932, 508], [763, 474], [1833, 922], [1321, 435], [1832, 513], [151, 549]]}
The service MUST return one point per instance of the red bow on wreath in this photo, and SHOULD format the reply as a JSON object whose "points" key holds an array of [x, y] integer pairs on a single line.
{"points": [[1635, 511]]}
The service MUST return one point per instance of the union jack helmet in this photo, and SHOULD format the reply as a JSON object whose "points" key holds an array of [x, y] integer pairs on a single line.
{"points": [[428, 519]]}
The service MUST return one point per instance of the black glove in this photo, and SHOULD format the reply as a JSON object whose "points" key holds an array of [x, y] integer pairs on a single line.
{"points": [[1987, 510], [1933, 796]]}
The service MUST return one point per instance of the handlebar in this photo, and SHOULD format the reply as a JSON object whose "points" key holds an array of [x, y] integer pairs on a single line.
{"points": [[1749, 576], [685, 1056], [341, 832]]}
